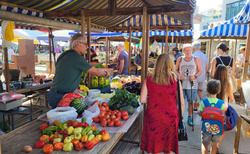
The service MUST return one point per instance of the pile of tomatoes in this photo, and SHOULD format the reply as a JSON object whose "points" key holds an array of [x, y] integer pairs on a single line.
{"points": [[109, 117]]}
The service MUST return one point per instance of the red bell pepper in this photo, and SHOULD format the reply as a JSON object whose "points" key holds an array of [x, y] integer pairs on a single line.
{"points": [[40, 144], [63, 132], [44, 138], [103, 132], [42, 127], [75, 123], [96, 140], [86, 124], [70, 123], [58, 146], [52, 137], [80, 124], [93, 127], [78, 146], [48, 148], [89, 145], [75, 141]]}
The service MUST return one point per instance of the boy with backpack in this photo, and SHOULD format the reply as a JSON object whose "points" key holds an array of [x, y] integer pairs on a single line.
{"points": [[213, 116]]}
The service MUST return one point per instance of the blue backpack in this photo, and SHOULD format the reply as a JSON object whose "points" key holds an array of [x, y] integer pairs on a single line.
{"points": [[212, 119]]}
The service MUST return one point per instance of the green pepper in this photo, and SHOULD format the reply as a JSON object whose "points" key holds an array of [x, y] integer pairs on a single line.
{"points": [[91, 137], [67, 140], [57, 140], [78, 136], [49, 133], [78, 130], [86, 129], [96, 132], [90, 132], [84, 119], [68, 146], [52, 128]]}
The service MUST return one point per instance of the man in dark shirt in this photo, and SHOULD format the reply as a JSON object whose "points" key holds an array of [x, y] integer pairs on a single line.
{"points": [[137, 62], [122, 60]]}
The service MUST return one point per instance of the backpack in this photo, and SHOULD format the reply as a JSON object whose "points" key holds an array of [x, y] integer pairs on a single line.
{"points": [[212, 119], [230, 75]]}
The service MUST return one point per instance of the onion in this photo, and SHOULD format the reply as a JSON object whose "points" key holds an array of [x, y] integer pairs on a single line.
{"points": [[27, 148]]}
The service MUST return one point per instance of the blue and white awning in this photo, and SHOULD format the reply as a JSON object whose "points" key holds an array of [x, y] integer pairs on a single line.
{"points": [[163, 33], [227, 30]]}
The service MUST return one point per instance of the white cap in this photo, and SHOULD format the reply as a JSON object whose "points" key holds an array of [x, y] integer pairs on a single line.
{"points": [[187, 45]]}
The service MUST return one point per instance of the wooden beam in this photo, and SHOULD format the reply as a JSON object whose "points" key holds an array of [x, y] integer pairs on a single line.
{"points": [[83, 22], [6, 69], [162, 41], [209, 57], [112, 7], [172, 46], [247, 55], [144, 2], [129, 64], [89, 42], [166, 39], [50, 52], [112, 10], [107, 52], [235, 49]]}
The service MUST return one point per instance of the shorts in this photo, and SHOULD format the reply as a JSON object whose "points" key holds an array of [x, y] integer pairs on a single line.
{"points": [[187, 94], [207, 138], [200, 86]]}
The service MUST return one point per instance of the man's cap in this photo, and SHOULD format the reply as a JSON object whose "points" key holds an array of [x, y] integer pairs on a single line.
{"points": [[187, 45]]}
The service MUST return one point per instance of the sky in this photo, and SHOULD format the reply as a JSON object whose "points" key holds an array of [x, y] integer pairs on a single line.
{"points": [[207, 4]]}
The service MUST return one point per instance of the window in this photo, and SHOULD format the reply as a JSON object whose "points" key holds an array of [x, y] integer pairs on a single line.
{"points": [[233, 9]]}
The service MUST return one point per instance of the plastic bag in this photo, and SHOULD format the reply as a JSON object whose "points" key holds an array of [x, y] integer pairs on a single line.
{"points": [[62, 114], [90, 113], [67, 99], [9, 34], [246, 89]]}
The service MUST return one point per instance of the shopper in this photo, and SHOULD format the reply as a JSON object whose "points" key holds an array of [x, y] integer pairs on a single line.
{"points": [[137, 63], [122, 60], [213, 88], [69, 67], [204, 67], [188, 68], [226, 93], [160, 127]]}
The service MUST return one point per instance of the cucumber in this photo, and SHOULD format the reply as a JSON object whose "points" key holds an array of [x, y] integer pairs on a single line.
{"points": [[129, 109]]}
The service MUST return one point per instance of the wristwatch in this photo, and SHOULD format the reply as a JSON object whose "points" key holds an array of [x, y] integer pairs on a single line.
{"points": [[195, 76], [106, 72]]}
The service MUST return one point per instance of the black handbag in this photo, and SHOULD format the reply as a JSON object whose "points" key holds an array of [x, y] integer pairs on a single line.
{"points": [[182, 129]]}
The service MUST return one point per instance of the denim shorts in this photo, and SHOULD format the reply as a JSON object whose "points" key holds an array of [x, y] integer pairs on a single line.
{"points": [[54, 98], [207, 138], [187, 94]]}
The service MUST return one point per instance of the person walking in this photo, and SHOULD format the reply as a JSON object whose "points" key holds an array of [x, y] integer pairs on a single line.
{"points": [[160, 127], [137, 62], [188, 68], [226, 93], [204, 67], [222, 50], [122, 60], [69, 67]]}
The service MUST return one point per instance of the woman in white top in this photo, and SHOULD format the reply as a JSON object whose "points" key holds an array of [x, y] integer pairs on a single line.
{"points": [[241, 57], [226, 93]]}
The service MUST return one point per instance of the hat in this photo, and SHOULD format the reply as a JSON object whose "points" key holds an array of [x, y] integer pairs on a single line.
{"points": [[187, 45]]}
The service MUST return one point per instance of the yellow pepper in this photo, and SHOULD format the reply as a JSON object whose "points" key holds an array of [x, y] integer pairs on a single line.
{"points": [[67, 140], [57, 140], [70, 130], [78, 130], [72, 136], [68, 146], [91, 137], [78, 136], [84, 139], [99, 136]]}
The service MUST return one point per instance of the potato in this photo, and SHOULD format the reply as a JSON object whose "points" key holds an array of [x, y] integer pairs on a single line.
{"points": [[27, 148]]}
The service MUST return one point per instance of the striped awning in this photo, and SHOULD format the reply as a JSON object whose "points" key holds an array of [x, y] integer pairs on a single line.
{"points": [[243, 17], [226, 30], [38, 8], [163, 33]]}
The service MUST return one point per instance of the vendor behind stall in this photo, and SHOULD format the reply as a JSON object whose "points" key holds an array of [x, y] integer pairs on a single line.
{"points": [[137, 62], [69, 67]]}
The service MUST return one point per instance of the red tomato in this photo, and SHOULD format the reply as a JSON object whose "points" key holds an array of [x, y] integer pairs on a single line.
{"points": [[96, 119], [118, 114], [103, 118], [111, 123], [113, 116], [109, 113], [125, 117], [124, 113], [118, 123], [103, 132], [98, 102], [115, 119], [101, 115], [108, 120], [104, 104], [107, 108], [104, 123], [102, 108], [103, 112], [107, 116], [116, 111]]}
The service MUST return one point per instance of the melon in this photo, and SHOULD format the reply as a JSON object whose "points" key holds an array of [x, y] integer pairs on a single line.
{"points": [[79, 105]]}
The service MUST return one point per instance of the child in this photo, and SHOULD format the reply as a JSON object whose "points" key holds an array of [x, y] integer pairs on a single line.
{"points": [[213, 88]]}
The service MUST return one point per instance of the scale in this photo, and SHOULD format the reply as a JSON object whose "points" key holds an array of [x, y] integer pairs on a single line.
{"points": [[10, 101]]}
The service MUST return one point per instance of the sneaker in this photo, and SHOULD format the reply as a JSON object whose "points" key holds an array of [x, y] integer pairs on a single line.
{"points": [[190, 121], [195, 111]]}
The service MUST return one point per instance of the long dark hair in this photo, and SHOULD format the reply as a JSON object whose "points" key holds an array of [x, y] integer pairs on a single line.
{"points": [[223, 47], [221, 74]]}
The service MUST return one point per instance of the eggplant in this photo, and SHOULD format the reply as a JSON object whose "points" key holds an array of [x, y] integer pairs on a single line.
{"points": [[134, 82], [113, 107], [135, 105]]}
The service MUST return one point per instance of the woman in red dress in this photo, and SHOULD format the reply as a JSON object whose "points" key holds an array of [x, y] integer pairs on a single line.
{"points": [[160, 127]]}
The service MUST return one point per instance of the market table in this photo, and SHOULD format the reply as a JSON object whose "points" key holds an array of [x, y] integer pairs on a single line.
{"points": [[241, 116], [29, 134], [33, 88]]}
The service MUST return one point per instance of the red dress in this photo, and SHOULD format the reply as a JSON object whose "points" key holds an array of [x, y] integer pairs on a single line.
{"points": [[160, 127]]}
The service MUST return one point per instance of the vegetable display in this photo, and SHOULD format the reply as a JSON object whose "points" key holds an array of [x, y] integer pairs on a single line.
{"points": [[79, 105]]}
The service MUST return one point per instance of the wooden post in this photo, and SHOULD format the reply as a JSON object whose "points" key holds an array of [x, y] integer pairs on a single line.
{"points": [[209, 57], [107, 52], [166, 40], [219, 39], [176, 43], [172, 46], [237, 136], [235, 50], [6, 69], [50, 52], [143, 77], [247, 55], [129, 59], [162, 45], [82, 22], [147, 48], [89, 42]]}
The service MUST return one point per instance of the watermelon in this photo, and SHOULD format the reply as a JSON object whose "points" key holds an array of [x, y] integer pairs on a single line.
{"points": [[79, 105]]}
